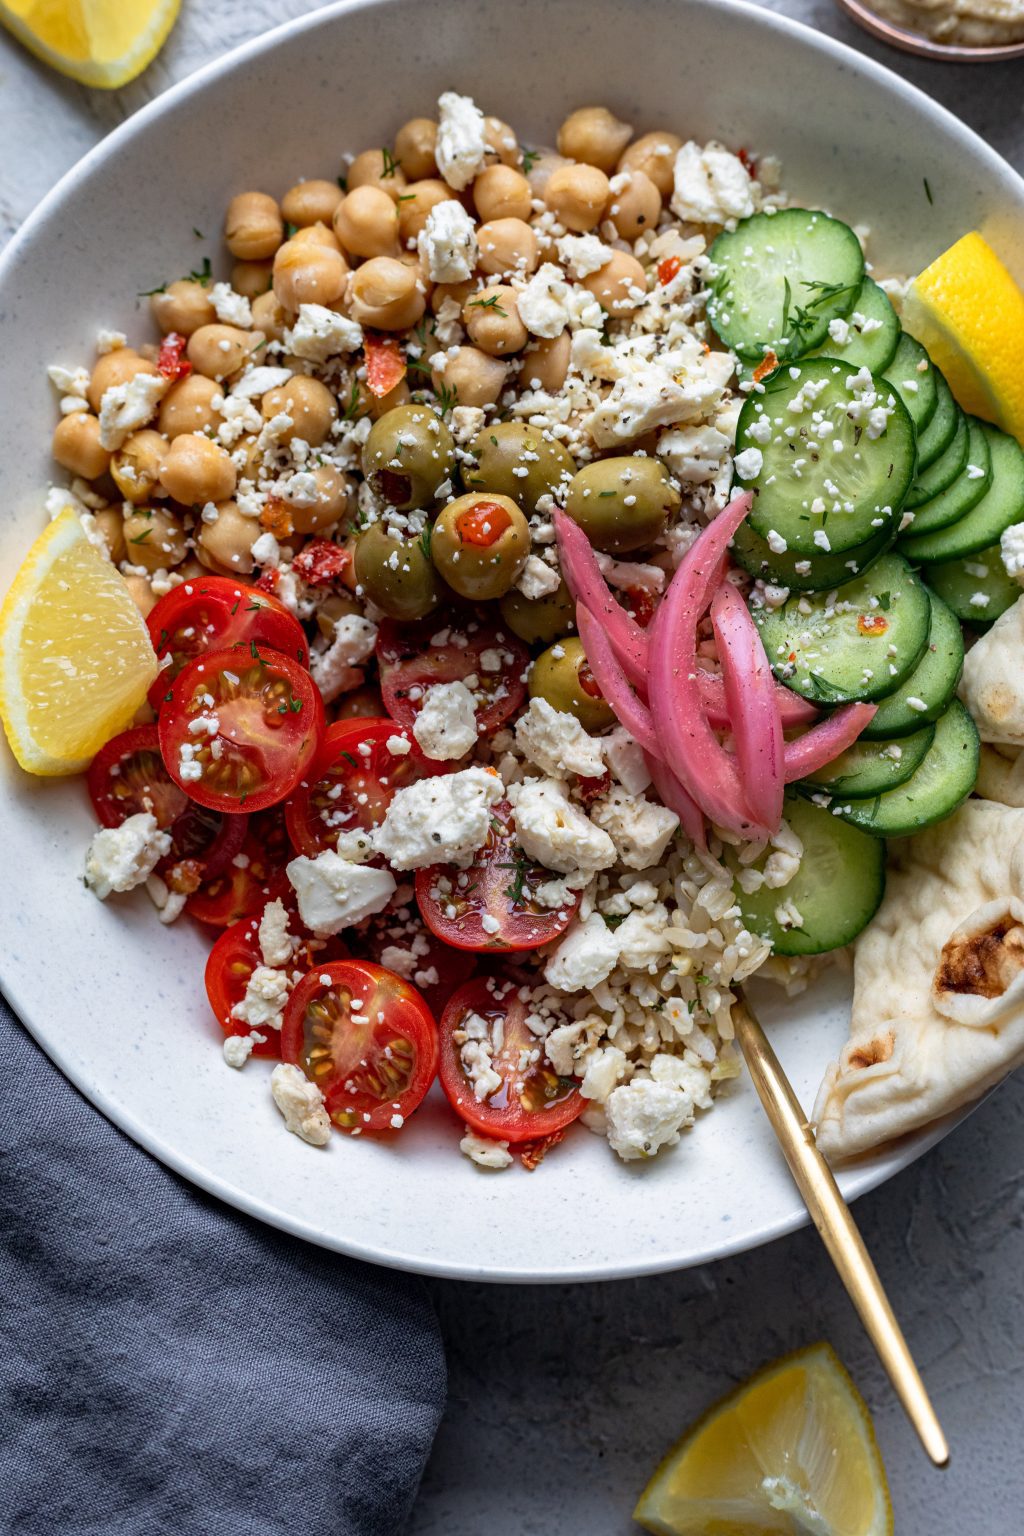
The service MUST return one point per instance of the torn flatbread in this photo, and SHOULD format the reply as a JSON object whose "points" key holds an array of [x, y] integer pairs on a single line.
{"points": [[1001, 775], [992, 685], [938, 1001]]}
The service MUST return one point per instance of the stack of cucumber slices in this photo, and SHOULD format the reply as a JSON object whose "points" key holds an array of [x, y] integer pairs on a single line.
{"points": [[879, 504]]}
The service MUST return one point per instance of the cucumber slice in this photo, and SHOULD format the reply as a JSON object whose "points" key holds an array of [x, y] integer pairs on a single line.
{"points": [[780, 278], [858, 641], [931, 685], [940, 431], [872, 331], [827, 476], [960, 582], [1001, 505], [913, 378], [836, 891], [943, 781], [871, 767], [939, 475], [966, 490], [802, 573]]}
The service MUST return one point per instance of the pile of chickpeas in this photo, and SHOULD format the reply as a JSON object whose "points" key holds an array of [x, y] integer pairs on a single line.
{"points": [[351, 246]]}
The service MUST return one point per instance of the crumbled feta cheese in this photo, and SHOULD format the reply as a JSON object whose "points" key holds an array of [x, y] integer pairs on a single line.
{"points": [[543, 304], [461, 146], [169, 904], [232, 308], [320, 333], [266, 550], [335, 670], [583, 254], [276, 943], [1011, 547], [583, 958], [126, 407], [711, 185], [695, 455], [639, 828], [301, 1103], [447, 243], [238, 1049], [537, 579], [644, 1116], [485, 1152], [557, 743], [625, 758], [120, 858], [446, 724], [259, 381], [266, 993], [641, 938], [109, 341], [748, 463], [604, 1070], [69, 381], [398, 746], [555, 833], [441, 820], [334, 893]]}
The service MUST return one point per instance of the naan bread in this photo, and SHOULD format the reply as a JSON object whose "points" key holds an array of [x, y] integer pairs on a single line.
{"points": [[938, 1001], [1001, 775], [992, 686]]}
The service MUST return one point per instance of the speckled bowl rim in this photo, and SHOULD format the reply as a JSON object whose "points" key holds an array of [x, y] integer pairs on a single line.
{"points": [[859, 1177]]}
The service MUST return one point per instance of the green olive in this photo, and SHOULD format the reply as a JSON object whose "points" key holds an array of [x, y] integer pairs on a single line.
{"points": [[622, 504], [539, 620], [408, 455], [561, 676], [396, 574], [517, 461], [480, 544]]}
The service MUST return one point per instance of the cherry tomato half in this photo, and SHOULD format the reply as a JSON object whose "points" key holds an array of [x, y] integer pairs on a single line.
{"points": [[414, 656], [366, 1038], [128, 776], [532, 1101], [254, 876], [211, 613], [351, 784], [491, 905], [241, 728]]}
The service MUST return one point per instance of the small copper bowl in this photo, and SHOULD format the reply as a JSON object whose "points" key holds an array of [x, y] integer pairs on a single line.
{"points": [[925, 47]]}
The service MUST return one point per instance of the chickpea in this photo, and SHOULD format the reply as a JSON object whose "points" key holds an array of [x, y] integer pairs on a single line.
{"points": [[188, 407], [311, 202], [216, 351], [253, 227], [77, 447], [154, 538], [507, 245], [471, 376], [416, 204], [142, 594], [195, 471], [310, 405], [546, 363], [136, 465], [576, 195], [183, 307], [305, 273], [366, 223], [655, 155], [250, 278], [116, 368], [500, 192], [501, 142], [492, 320], [226, 543], [541, 172], [620, 285], [460, 292], [635, 205], [379, 405], [416, 148], [335, 494], [269, 317], [375, 169], [385, 294], [110, 522], [317, 234], [594, 136]]}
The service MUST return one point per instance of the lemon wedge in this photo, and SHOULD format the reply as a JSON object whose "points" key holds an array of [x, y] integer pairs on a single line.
{"points": [[99, 42], [75, 656], [968, 312], [791, 1452]]}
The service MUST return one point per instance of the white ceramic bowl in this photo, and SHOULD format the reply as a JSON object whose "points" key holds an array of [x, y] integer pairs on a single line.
{"points": [[116, 1000]]}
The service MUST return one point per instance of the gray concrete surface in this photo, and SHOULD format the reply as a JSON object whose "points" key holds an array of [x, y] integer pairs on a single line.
{"points": [[563, 1398]]}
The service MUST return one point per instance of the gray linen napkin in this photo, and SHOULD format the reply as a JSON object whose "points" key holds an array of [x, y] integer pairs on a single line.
{"points": [[172, 1368]]}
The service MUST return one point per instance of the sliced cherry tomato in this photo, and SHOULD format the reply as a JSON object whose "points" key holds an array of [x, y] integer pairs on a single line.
{"points": [[399, 939], [366, 1038], [414, 656], [668, 268], [320, 562], [483, 523], [643, 605], [128, 776], [593, 789], [491, 905], [532, 1101], [350, 785], [241, 727], [385, 364], [232, 961], [171, 360], [254, 876], [213, 612]]}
